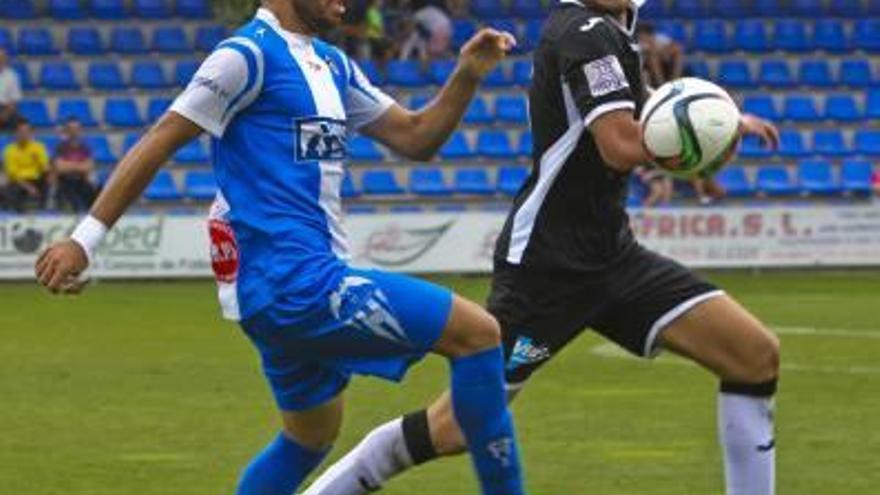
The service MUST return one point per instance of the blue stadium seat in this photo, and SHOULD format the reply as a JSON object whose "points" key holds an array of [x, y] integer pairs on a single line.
{"points": [[85, 41], [495, 145], [487, 9], [499, 77], [504, 24], [440, 70], [774, 180], [148, 75], [531, 34], [856, 73], [36, 41], [193, 152], [462, 30], [477, 112], [830, 143], [199, 185], [78, 108], [751, 35], [24, 75], [473, 181], [51, 141], [855, 177], [364, 148], [105, 76], [18, 9], [524, 148], [36, 112], [698, 68], [58, 76], [817, 178], [207, 37], [775, 73], [193, 9], [872, 104], [688, 9], [866, 35], [528, 9], [67, 10], [829, 35], [735, 182], [673, 29], [791, 144], [127, 40], [654, 10], [731, 9], [842, 107], [131, 139], [867, 142], [522, 72], [711, 36], [380, 182], [428, 181], [752, 147], [457, 147], [122, 112], [348, 189], [406, 73], [735, 73], [816, 73], [846, 8], [109, 9], [800, 108], [162, 188], [184, 71], [873, 9], [152, 9], [511, 178], [156, 107], [761, 105], [806, 8], [6, 41], [511, 109], [170, 39], [790, 35], [371, 71], [101, 152], [419, 101]]}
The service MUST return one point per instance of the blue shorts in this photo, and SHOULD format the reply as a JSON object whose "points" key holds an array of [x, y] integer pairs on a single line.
{"points": [[373, 323]]}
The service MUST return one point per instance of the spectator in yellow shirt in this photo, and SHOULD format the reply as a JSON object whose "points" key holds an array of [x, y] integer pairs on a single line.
{"points": [[26, 163]]}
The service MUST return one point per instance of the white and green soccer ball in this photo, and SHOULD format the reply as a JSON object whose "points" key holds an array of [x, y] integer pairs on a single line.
{"points": [[691, 127]]}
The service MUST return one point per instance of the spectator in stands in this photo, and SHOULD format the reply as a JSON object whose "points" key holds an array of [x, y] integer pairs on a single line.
{"points": [[364, 31], [10, 93], [26, 163], [73, 167], [430, 33], [708, 190], [663, 56], [657, 183]]}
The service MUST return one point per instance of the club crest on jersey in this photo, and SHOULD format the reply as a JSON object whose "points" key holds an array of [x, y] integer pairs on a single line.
{"points": [[605, 75], [320, 139], [527, 351]]}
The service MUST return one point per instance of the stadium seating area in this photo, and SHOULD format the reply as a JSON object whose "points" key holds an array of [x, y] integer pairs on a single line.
{"points": [[811, 65]]}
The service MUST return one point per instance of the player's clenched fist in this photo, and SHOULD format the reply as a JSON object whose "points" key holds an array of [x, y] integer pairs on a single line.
{"points": [[485, 50], [59, 267]]}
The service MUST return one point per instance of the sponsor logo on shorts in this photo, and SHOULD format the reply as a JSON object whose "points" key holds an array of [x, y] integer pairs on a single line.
{"points": [[605, 75], [360, 303], [527, 351]]}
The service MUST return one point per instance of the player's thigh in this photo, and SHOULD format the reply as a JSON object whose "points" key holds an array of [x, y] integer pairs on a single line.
{"points": [[316, 427], [725, 338]]}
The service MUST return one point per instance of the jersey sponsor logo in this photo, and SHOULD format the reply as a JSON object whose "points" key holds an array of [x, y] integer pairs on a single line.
{"points": [[224, 251], [319, 138], [591, 24], [527, 351], [605, 75]]}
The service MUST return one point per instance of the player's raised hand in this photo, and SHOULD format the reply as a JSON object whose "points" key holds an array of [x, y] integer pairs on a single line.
{"points": [[485, 50], [59, 267], [764, 129]]}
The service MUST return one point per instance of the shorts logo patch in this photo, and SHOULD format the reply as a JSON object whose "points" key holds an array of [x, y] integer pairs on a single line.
{"points": [[360, 303], [526, 351], [605, 75]]}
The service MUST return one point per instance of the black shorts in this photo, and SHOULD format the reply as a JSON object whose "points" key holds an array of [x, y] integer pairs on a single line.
{"points": [[629, 302]]}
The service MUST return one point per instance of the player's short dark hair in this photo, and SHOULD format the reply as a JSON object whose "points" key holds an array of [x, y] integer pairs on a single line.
{"points": [[646, 28], [21, 122]]}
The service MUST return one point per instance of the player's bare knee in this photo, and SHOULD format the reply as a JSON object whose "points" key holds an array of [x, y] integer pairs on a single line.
{"points": [[318, 439], [762, 363], [471, 330]]}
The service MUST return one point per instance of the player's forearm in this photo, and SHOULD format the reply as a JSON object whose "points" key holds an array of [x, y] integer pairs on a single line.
{"points": [[619, 139]]}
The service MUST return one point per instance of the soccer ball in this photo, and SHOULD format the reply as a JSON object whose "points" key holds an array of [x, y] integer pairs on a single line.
{"points": [[691, 127]]}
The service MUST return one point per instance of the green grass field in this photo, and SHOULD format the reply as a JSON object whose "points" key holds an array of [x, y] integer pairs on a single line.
{"points": [[140, 388]]}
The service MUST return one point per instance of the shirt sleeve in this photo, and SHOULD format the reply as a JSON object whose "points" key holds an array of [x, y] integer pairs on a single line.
{"points": [[364, 102], [593, 75], [227, 82]]}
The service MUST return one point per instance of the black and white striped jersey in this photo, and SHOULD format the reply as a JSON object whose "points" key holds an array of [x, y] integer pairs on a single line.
{"points": [[569, 215]]}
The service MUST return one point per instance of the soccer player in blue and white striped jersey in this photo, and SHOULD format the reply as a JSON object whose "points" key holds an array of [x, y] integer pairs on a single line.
{"points": [[279, 105]]}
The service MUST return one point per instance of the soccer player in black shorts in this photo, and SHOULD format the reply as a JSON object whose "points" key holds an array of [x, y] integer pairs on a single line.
{"points": [[567, 260]]}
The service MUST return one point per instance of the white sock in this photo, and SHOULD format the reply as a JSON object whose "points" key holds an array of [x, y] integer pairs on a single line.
{"points": [[745, 425], [381, 455]]}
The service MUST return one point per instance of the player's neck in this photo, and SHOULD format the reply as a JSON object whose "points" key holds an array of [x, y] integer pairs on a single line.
{"points": [[287, 18]]}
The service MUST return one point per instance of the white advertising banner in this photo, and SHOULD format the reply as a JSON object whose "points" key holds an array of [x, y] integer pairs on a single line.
{"points": [[177, 246]]}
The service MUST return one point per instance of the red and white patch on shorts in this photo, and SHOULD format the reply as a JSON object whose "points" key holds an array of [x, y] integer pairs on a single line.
{"points": [[224, 251]]}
